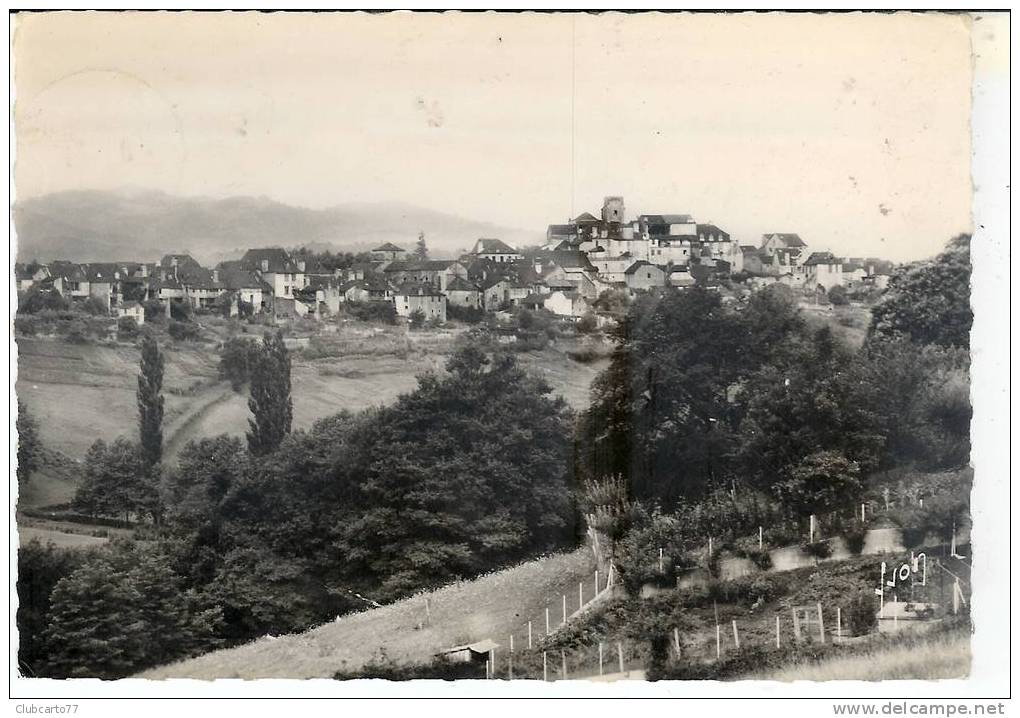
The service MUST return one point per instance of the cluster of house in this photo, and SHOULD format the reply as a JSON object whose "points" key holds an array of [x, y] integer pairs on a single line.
{"points": [[579, 261], [687, 252], [264, 279]]}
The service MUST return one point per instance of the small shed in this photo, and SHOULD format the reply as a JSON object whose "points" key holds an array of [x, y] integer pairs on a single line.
{"points": [[470, 652]]}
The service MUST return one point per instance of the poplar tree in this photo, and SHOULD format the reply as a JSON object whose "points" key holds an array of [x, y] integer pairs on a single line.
{"points": [[150, 402], [29, 448], [421, 251], [270, 402]]}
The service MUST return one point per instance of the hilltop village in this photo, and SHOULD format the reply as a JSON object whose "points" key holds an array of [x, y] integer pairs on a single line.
{"points": [[579, 262]]}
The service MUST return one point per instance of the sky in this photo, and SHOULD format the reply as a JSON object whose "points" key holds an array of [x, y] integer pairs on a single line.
{"points": [[849, 129]]}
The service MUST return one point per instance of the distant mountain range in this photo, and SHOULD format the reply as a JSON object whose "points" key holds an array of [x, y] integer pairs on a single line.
{"points": [[97, 226]]}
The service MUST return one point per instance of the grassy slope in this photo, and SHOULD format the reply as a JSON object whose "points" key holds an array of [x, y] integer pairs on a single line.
{"points": [[493, 606], [81, 393], [941, 656]]}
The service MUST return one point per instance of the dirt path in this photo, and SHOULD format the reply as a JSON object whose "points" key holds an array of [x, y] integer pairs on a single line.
{"points": [[185, 427]]}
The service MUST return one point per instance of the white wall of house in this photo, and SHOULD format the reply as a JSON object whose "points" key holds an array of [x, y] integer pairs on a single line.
{"points": [[433, 306], [826, 275]]}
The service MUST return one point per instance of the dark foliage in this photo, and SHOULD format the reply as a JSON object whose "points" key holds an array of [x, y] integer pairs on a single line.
{"points": [[183, 331], [127, 328], [270, 402], [439, 669], [40, 568], [29, 445], [928, 302], [237, 356], [150, 402], [37, 299], [383, 312], [117, 482]]}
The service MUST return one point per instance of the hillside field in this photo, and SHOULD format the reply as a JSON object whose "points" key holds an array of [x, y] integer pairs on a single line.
{"points": [[80, 393], [492, 606]]}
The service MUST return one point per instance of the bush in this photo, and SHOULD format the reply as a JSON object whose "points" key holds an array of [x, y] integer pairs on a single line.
{"points": [[860, 614], [26, 326], [36, 300], [153, 310], [236, 358], [854, 536], [383, 312], [838, 296], [127, 328], [913, 536], [183, 331], [439, 669], [94, 306], [760, 557], [181, 311], [77, 332], [468, 315], [818, 549], [587, 324], [417, 319]]}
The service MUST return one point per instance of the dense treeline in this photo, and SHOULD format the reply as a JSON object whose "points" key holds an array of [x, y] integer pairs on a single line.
{"points": [[701, 395], [470, 471]]}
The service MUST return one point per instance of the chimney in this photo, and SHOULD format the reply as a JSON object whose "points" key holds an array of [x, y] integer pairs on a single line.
{"points": [[301, 265], [265, 265], [538, 266], [216, 276]]}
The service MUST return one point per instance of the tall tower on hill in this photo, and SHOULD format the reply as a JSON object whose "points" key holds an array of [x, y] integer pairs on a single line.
{"points": [[613, 210]]}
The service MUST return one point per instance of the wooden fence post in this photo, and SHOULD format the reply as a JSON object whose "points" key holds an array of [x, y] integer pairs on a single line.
{"points": [[660, 560], [736, 638], [777, 633], [821, 625], [619, 654], [601, 672], [428, 613], [563, 663], [545, 666], [580, 595], [529, 635], [760, 542], [718, 642], [596, 583], [839, 622], [811, 529], [492, 662], [564, 608], [796, 624], [676, 641], [547, 620], [510, 659]]}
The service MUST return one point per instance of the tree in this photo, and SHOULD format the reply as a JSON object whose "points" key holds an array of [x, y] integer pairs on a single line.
{"points": [[38, 299], [270, 401], [236, 359], [821, 482], [929, 302], [150, 402], [124, 611], [417, 319], [838, 296], [39, 569], [116, 482], [29, 446], [127, 328], [421, 251], [469, 472]]}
